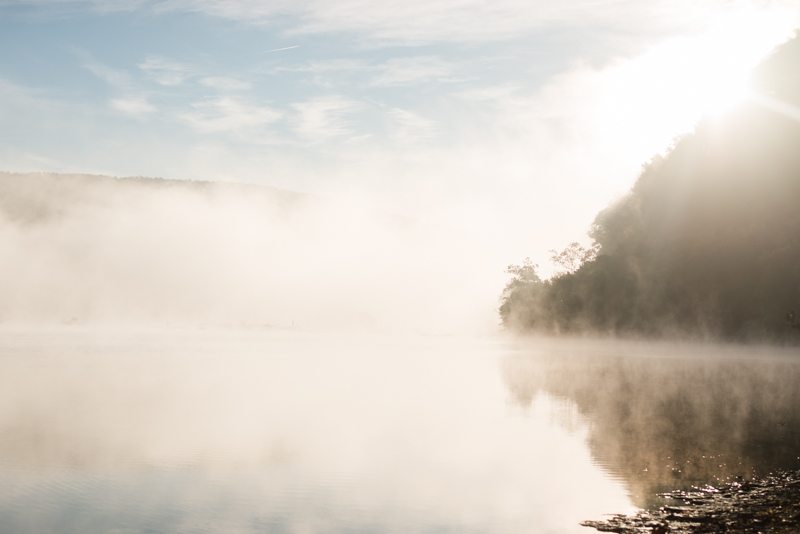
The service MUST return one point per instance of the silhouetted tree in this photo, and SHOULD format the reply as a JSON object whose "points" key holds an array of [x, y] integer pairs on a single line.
{"points": [[571, 258], [519, 301], [706, 244]]}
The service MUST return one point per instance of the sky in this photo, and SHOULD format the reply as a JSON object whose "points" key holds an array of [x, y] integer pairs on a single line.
{"points": [[513, 121]]}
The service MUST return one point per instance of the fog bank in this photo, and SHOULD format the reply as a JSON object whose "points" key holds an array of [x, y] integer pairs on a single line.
{"points": [[80, 248]]}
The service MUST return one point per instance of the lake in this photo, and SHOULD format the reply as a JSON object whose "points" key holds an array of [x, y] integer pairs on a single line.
{"points": [[236, 430]]}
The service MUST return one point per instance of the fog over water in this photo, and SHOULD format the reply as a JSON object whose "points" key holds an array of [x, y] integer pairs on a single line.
{"points": [[200, 357], [195, 431], [335, 313], [187, 430], [102, 250]]}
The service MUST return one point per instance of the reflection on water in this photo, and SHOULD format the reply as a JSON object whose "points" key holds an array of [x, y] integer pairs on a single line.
{"points": [[214, 431], [666, 417], [224, 431]]}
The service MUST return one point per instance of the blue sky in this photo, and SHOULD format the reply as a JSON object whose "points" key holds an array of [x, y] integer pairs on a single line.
{"points": [[515, 120]]}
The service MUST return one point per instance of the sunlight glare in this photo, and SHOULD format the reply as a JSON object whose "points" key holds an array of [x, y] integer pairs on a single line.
{"points": [[647, 101]]}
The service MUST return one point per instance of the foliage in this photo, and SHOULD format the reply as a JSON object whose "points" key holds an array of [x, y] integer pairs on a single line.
{"points": [[706, 244], [571, 258], [519, 301]]}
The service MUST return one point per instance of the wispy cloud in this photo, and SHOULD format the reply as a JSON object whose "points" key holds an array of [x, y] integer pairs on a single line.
{"points": [[412, 70], [416, 22], [407, 127], [323, 118], [132, 101], [165, 71], [278, 49], [224, 83], [114, 77], [133, 106], [229, 115], [323, 66], [393, 72], [426, 21]]}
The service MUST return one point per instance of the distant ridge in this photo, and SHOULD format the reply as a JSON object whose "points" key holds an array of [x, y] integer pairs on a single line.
{"points": [[39, 196]]}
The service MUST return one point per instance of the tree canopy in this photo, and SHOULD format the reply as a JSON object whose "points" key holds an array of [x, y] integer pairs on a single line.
{"points": [[706, 243]]}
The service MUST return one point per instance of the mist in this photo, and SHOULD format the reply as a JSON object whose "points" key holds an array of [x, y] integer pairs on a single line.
{"points": [[102, 250], [173, 430], [327, 267]]}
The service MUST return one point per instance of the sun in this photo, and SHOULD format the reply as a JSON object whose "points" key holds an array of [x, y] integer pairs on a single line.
{"points": [[719, 71], [715, 66], [647, 101]]}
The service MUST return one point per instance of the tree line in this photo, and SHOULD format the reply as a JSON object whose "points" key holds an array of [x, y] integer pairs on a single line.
{"points": [[706, 244]]}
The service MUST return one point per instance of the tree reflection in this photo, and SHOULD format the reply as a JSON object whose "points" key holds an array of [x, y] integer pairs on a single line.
{"points": [[672, 420]]}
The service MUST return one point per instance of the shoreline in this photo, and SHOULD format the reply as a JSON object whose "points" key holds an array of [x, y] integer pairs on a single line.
{"points": [[769, 504]]}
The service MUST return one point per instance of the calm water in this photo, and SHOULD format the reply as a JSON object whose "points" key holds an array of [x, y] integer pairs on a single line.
{"points": [[252, 431]]}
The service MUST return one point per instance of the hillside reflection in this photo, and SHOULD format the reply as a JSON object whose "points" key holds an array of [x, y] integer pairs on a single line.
{"points": [[664, 417]]}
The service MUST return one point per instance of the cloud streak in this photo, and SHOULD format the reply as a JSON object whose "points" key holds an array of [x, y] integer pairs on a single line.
{"points": [[394, 72], [225, 114], [324, 118], [133, 106], [278, 49], [166, 72], [414, 22]]}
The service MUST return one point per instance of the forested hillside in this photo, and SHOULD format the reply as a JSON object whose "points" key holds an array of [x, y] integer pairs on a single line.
{"points": [[707, 242]]}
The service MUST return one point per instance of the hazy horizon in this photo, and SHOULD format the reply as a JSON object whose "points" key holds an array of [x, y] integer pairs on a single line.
{"points": [[510, 125], [350, 266], [98, 250]]}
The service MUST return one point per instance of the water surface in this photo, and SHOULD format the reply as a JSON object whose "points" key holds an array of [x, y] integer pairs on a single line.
{"points": [[273, 431]]}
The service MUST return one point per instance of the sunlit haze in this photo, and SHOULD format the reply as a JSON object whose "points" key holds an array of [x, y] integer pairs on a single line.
{"points": [[399, 266], [511, 124]]}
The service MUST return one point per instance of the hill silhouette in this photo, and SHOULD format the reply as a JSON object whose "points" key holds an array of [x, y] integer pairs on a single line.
{"points": [[41, 197], [707, 242]]}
